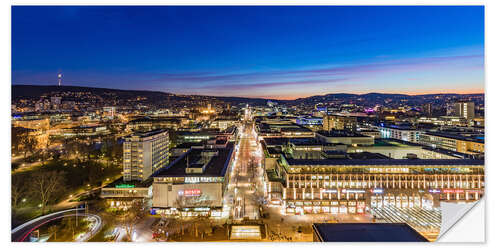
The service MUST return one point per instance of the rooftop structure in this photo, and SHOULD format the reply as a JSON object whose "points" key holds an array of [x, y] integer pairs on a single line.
{"points": [[213, 161], [344, 137], [366, 232]]}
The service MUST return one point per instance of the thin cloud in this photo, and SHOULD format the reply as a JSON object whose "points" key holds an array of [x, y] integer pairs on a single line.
{"points": [[250, 86]]}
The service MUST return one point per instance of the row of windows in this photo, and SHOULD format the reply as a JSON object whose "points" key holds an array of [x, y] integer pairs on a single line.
{"points": [[389, 184], [385, 177]]}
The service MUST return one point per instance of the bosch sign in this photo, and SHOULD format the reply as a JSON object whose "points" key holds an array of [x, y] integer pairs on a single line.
{"points": [[190, 192]]}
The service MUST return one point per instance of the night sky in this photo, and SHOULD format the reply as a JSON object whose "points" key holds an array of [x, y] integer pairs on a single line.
{"points": [[270, 52]]}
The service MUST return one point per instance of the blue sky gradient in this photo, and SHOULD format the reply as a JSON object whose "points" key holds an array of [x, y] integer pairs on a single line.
{"points": [[271, 52]]}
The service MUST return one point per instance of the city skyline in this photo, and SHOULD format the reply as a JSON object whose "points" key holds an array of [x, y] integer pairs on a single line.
{"points": [[245, 123], [260, 52]]}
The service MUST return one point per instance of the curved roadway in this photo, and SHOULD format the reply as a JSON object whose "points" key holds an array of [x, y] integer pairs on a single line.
{"points": [[22, 232]]}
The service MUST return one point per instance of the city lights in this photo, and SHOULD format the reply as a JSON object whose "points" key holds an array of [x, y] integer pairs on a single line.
{"points": [[208, 143]]}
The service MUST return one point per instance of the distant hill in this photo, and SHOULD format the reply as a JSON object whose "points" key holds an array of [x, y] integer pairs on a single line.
{"points": [[378, 98], [28, 91], [35, 91]]}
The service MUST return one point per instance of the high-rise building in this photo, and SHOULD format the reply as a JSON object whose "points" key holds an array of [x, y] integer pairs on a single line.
{"points": [[339, 122], [464, 109], [144, 153], [427, 109], [59, 79]]}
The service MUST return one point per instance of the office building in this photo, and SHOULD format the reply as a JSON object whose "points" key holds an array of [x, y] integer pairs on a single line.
{"points": [[427, 109], [344, 137], [342, 186], [194, 183], [464, 109], [399, 132], [144, 153], [339, 122], [454, 142]]}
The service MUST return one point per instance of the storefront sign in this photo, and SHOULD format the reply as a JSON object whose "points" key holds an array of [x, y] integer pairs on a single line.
{"points": [[377, 190], [353, 191], [330, 191], [191, 192], [434, 191], [453, 191], [124, 186]]}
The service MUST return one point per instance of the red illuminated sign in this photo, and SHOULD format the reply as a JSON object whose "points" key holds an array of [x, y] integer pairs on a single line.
{"points": [[453, 191], [192, 192]]}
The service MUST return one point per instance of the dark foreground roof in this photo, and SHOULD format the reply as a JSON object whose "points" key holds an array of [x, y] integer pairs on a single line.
{"points": [[217, 166], [366, 232]]}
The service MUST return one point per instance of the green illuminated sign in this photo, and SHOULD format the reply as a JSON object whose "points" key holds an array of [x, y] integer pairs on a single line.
{"points": [[125, 186]]}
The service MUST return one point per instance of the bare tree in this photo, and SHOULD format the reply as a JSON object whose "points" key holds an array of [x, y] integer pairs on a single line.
{"points": [[134, 214], [69, 226], [53, 231], [94, 172], [46, 185], [18, 189]]}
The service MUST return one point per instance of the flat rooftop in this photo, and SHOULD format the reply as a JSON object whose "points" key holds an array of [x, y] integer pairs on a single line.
{"points": [[216, 167], [148, 133], [451, 153], [298, 141], [276, 141], [339, 133], [366, 232], [398, 127], [387, 162], [295, 129], [478, 139], [118, 183], [189, 144], [394, 143]]}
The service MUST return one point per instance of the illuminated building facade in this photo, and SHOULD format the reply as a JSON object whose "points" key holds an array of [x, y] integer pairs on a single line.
{"points": [[281, 127], [400, 133], [144, 153], [458, 143], [464, 109], [194, 184], [121, 195], [341, 186], [36, 128], [223, 124], [148, 123], [339, 122]]}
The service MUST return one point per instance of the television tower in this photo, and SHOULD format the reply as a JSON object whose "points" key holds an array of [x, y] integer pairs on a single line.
{"points": [[59, 78]]}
